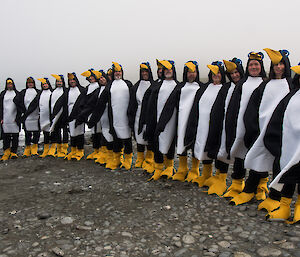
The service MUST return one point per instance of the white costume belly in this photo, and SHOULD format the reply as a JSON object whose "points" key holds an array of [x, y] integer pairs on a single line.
{"points": [[238, 149], [32, 121], [9, 113], [205, 104], [186, 100], [44, 106], [74, 93], [258, 157], [56, 94]]}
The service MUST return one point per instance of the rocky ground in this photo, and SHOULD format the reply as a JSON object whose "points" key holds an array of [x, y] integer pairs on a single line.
{"points": [[51, 207]]}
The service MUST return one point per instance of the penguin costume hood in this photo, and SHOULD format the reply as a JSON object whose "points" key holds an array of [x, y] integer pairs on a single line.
{"points": [[233, 64], [45, 81], [192, 66], [30, 79], [215, 67], [295, 81], [277, 57], [168, 65], [105, 75], [146, 66], [159, 66], [258, 57], [10, 81], [59, 77]]}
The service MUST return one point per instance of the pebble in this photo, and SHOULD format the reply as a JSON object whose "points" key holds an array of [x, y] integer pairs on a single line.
{"points": [[126, 234], [241, 254], [188, 239], [58, 251], [67, 220], [287, 245], [180, 252], [224, 244], [268, 251], [43, 215]]}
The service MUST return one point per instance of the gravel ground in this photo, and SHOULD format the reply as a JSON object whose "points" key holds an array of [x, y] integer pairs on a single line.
{"points": [[51, 207]]}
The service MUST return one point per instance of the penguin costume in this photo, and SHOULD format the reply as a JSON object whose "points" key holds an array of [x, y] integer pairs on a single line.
{"points": [[216, 139], [91, 98], [234, 123], [183, 104], [161, 128], [282, 140], [10, 118], [138, 91], [109, 74], [261, 105], [44, 113], [159, 71], [116, 97], [198, 125], [58, 115], [75, 98], [27, 102]]}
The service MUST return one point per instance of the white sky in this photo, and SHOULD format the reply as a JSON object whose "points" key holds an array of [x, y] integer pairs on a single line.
{"points": [[40, 37]]}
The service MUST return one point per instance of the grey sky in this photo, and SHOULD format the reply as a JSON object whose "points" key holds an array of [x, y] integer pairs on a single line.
{"points": [[40, 37]]}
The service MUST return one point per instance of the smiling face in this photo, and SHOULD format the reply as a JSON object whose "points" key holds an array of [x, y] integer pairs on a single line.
{"points": [[191, 76], [30, 84], [102, 80], [59, 83], [235, 76], [254, 68], [279, 70], [45, 86], [216, 78], [72, 82], [145, 74], [118, 75], [91, 79], [10, 86], [168, 74]]}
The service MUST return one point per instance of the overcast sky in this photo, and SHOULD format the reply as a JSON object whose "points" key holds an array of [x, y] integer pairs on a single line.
{"points": [[40, 37]]}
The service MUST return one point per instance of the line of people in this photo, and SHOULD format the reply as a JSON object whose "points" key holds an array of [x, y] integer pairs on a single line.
{"points": [[250, 122]]}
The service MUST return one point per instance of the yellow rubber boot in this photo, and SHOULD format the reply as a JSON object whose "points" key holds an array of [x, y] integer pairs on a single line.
{"points": [[91, 155], [13, 155], [99, 153], [212, 179], [241, 198], [102, 155], [169, 168], [237, 186], [206, 174], [64, 148], [182, 169], [268, 205], [79, 154], [139, 160], [194, 172], [46, 150], [60, 152], [158, 169], [109, 159], [148, 164], [127, 161], [71, 154], [34, 150], [52, 150], [6, 155], [284, 211], [262, 189], [27, 151], [117, 161], [219, 185]]}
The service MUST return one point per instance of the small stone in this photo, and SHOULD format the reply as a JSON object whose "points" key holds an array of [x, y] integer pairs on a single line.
{"points": [[287, 245], [58, 251], [188, 239], [35, 244], [241, 254], [224, 244], [107, 247], [98, 249], [43, 215], [177, 244], [225, 254], [67, 220], [268, 251], [127, 234], [79, 227], [180, 252]]}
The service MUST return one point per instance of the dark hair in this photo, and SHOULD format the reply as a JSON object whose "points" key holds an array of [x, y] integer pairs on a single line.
{"points": [[185, 71], [287, 68]]}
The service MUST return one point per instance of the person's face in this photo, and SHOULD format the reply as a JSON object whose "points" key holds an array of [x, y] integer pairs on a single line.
{"points": [[191, 76], [159, 72], [102, 80], [145, 75], [168, 74], [10, 86], [59, 83], [279, 69], [92, 79], [118, 75], [254, 68], [109, 76], [217, 78], [30, 84], [45, 86], [235, 76], [72, 82]]}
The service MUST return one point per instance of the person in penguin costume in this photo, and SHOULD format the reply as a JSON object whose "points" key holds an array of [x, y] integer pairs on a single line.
{"points": [[260, 107], [159, 71], [199, 119], [10, 119], [27, 102], [182, 102], [234, 123], [138, 91], [44, 113], [282, 140], [75, 98], [58, 115], [92, 76], [216, 140], [117, 95], [106, 149], [162, 132]]}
